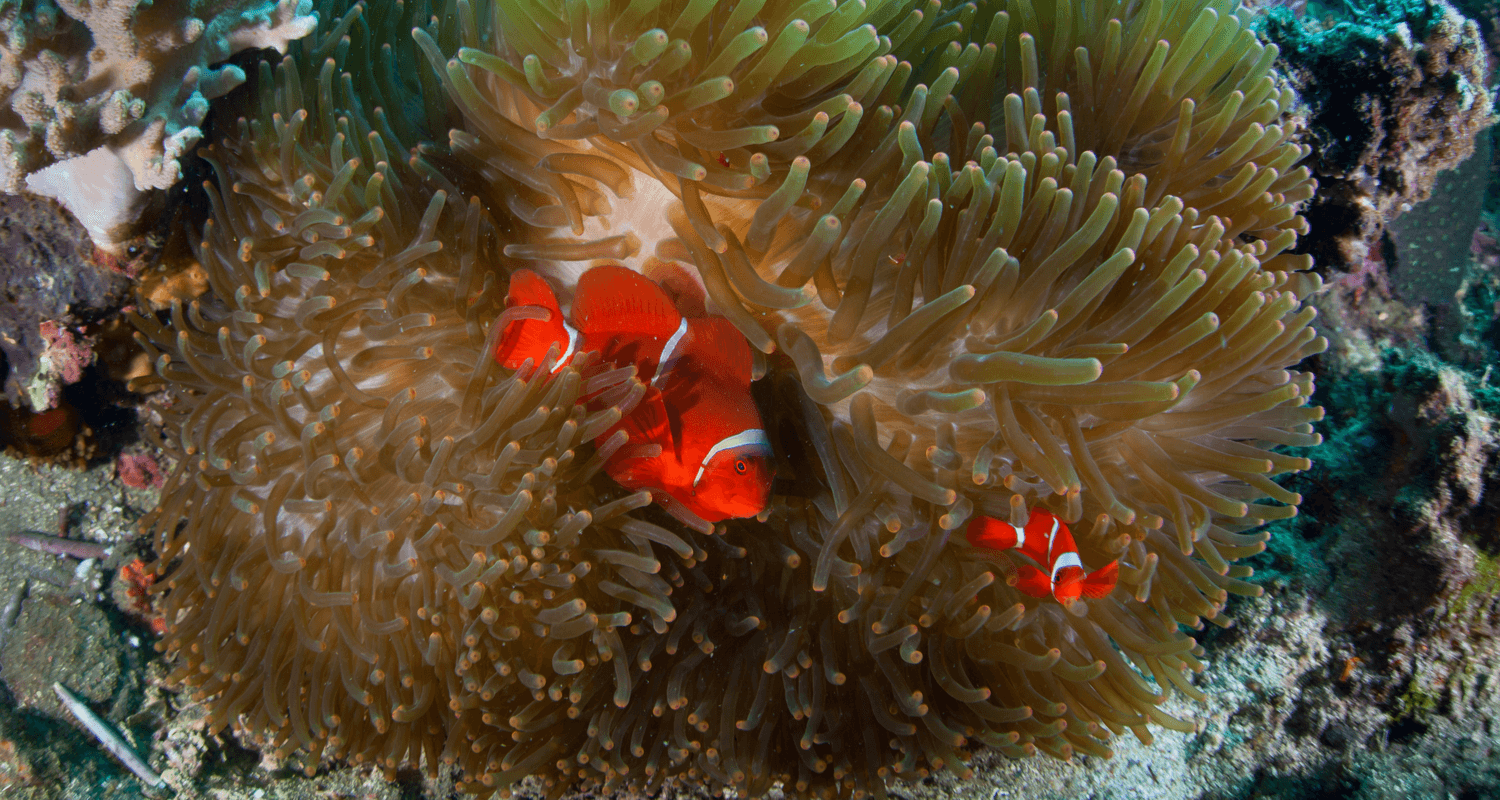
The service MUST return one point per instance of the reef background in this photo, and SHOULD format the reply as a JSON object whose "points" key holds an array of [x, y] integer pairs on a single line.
{"points": [[1368, 669]]}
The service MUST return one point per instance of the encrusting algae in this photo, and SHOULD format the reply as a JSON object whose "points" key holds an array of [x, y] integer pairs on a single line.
{"points": [[997, 256]]}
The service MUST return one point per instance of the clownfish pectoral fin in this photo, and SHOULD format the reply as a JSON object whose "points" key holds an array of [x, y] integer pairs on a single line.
{"points": [[648, 424], [683, 514], [536, 323], [612, 299], [990, 534], [635, 473], [1032, 581], [1002, 562], [1102, 581], [640, 463]]}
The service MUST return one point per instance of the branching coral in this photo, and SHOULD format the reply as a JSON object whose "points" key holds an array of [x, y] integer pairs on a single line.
{"points": [[125, 82], [1044, 251]]}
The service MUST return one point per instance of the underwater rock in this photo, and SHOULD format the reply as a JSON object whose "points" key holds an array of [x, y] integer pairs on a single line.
{"points": [[1433, 428], [1401, 588], [49, 284]]}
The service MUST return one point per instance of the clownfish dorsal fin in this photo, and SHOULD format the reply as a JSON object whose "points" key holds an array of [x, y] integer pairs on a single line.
{"points": [[680, 284], [529, 289], [532, 337], [718, 336], [613, 299]]}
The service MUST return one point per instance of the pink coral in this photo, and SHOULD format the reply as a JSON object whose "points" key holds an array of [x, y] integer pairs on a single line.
{"points": [[68, 351], [139, 471], [1368, 274]]}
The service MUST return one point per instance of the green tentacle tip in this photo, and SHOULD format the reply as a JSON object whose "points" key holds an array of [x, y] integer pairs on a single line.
{"points": [[538, 81], [760, 167], [492, 63], [624, 102], [914, 403], [846, 383], [705, 93], [677, 56], [648, 46], [650, 94]]}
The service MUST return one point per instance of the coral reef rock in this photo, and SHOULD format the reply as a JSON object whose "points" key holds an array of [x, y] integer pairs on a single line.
{"points": [[1396, 93]]}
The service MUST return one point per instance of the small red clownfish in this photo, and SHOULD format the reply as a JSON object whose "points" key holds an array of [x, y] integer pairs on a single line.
{"points": [[714, 459], [1048, 543]]}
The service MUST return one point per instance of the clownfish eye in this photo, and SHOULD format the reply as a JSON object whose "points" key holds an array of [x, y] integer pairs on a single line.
{"points": [[740, 466]]}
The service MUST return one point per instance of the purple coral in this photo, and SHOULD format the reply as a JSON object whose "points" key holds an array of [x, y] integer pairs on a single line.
{"points": [[1485, 246]]}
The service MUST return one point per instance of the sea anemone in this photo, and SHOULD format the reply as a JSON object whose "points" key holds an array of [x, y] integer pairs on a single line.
{"points": [[1055, 270], [1006, 256]]}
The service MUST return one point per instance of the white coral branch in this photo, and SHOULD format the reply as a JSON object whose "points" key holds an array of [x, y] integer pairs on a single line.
{"points": [[107, 736]]}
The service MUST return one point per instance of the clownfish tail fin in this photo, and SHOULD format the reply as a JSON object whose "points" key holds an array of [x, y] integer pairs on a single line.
{"points": [[990, 533], [533, 323], [1102, 581]]}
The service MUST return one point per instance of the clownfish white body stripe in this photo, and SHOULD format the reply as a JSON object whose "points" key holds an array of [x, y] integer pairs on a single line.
{"points": [[567, 355], [669, 354]]}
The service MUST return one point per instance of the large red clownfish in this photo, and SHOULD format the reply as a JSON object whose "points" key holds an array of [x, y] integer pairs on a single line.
{"points": [[714, 459], [1047, 543]]}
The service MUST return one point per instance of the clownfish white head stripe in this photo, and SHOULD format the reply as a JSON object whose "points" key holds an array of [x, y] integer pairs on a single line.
{"points": [[751, 437], [1061, 562], [667, 359]]}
